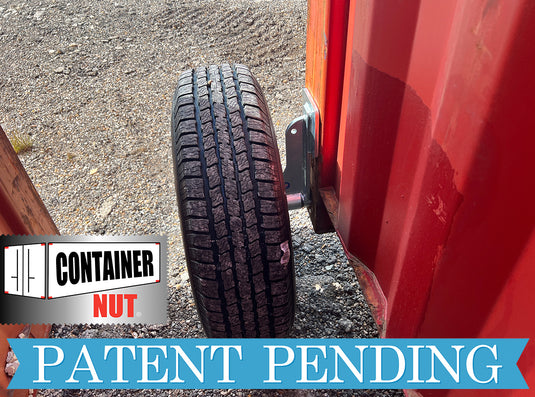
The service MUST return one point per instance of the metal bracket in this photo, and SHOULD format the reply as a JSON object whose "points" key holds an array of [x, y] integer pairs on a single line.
{"points": [[301, 149]]}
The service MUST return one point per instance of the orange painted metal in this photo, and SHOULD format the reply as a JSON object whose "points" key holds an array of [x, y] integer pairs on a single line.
{"points": [[434, 158], [22, 213], [326, 40], [22, 210], [316, 49]]}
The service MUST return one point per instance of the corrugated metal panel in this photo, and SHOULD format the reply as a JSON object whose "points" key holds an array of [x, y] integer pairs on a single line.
{"points": [[434, 166]]}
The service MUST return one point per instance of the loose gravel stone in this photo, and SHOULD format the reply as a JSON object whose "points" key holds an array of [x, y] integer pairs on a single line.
{"points": [[92, 83]]}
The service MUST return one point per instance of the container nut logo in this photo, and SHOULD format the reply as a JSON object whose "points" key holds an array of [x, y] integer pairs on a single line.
{"points": [[82, 279]]}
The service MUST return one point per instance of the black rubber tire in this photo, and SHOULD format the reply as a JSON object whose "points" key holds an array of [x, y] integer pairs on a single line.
{"points": [[232, 204]]}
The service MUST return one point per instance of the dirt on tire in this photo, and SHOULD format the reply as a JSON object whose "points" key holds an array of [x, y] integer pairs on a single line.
{"points": [[91, 84], [232, 205]]}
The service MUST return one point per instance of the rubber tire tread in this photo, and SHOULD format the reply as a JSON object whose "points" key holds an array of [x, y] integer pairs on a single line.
{"points": [[232, 204]]}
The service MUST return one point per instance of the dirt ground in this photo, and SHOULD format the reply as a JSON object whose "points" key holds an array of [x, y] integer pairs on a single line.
{"points": [[90, 85]]}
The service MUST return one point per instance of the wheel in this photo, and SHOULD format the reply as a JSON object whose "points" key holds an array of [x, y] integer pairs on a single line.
{"points": [[232, 204]]}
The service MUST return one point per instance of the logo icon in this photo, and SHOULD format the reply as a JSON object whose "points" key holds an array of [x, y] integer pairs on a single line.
{"points": [[94, 279]]}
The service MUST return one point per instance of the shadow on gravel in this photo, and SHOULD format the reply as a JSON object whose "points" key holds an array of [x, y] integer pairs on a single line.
{"points": [[92, 82]]}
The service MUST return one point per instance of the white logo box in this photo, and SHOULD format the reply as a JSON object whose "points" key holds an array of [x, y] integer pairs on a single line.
{"points": [[78, 268], [24, 271], [83, 279]]}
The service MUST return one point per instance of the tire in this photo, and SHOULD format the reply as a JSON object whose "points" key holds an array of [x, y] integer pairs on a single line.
{"points": [[232, 204]]}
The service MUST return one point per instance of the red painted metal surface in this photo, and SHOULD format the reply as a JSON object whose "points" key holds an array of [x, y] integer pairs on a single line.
{"points": [[433, 186], [326, 47], [326, 38], [21, 213]]}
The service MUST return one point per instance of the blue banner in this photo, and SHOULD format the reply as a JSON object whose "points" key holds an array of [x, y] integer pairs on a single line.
{"points": [[268, 363]]}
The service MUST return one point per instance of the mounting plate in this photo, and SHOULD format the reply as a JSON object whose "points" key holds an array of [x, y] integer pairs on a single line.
{"points": [[301, 148]]}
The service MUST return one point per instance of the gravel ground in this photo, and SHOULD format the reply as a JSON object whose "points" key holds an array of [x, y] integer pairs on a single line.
{"points": [[91, 84]]}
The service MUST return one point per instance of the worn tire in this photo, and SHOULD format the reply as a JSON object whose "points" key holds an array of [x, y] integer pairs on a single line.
{"points": [[232, 204]]}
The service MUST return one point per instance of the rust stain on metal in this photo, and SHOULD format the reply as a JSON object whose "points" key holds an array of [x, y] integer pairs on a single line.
{"points": [[372, 292], [368, 282], [331, 204]]}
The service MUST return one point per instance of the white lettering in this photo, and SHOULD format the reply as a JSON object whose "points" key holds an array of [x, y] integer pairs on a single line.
{"points": [[436, 353], [314, 364], [198, 373], [415, 364], [494, 368], [90, 367], [340, 353], [42, 364], [226, 361], [120, 359], [154, 363], [272, 364], [379, 366]]}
